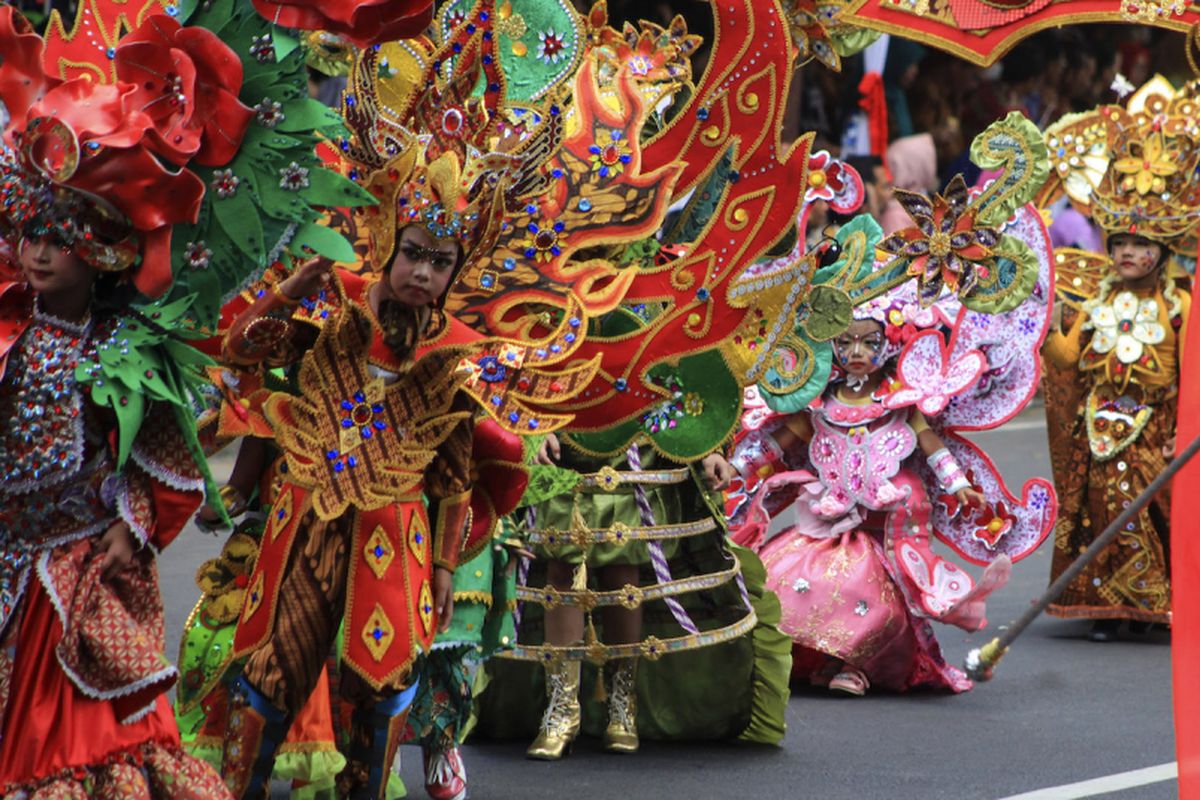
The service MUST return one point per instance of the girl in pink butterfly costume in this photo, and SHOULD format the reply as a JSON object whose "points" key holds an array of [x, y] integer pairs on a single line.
{"points": [[884, 471]]}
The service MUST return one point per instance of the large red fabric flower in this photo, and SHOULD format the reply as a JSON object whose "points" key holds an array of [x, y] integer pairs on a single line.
{"points": [[187, 81], [364, 22], [93, 140]]}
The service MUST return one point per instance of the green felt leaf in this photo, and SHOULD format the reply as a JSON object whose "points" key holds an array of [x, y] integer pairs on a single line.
{"points": [[238, 217], [306, 115], [285, 42], [327, 188], [695, 436], [323, 241]]}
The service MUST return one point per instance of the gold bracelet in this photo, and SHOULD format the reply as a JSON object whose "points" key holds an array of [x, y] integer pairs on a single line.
{"points": [[283, 298]]}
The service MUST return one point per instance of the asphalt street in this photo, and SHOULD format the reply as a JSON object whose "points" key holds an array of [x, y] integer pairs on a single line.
{"points": [[1060, 710]]}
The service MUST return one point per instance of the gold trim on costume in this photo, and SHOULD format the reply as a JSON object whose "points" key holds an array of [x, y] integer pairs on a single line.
{"points": [[619, 534], [588, 599]]}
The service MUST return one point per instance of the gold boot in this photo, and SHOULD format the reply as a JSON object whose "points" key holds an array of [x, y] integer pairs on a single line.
{"points": [[560, 723], [621, 735]]}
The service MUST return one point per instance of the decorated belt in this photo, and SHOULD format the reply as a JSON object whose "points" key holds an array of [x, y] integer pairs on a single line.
{"points": [[620, 533], [651, 647], [629, 596], [609, 479]]}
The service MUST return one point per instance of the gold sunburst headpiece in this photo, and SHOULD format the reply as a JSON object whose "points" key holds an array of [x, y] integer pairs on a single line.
{"points": [[1135, 168], [436, 154]]}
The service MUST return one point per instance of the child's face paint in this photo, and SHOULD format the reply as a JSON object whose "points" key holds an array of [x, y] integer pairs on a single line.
{"points": [[1134, 257], [859, 350]]}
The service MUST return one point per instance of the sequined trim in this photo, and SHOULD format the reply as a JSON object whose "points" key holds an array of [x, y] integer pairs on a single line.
{"points": [[628, 596], [652, 647], [609, 479], [620, 534]]}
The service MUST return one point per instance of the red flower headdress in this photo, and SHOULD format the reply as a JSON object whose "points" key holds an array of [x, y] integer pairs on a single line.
{"points": [[90, 164]]}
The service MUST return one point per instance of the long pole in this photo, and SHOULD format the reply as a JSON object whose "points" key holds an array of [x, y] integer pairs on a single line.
{"points": [[981, 661]]}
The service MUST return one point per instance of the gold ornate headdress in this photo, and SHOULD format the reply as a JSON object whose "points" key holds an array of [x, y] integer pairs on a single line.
{"points": [[440, 158], [1135, 168]]}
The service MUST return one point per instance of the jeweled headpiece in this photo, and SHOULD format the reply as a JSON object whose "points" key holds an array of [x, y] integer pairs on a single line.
{"points": [[1135, 168], [438, 158]]}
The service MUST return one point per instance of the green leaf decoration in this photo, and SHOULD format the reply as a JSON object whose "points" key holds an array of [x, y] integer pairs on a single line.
{"points": [[143, 360], [1011, 279], [1014, 146], [275, 185], [811, 364], [323, 241], [539, 43], [830, 312], [706, 410]]}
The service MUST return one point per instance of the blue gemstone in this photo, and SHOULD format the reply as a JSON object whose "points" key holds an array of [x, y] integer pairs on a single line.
{"points": [[559, 226], [497, 399], [338, 466], [540, 353], [533, 423], [331, 455], [470, 27], [557, 173], [533, 227], [487, 281], [379, 551], [574, 322], [366, 433], [346, 404], [514, 417], [702, 294], [380, 425], [483, 16], [510, 264], [487, 60], [530, 252], [279, 514], [554, 348], [377, 634], [360, 397], [347, 423], [377, 408], [569, 338], [418, 538], [620, 384], [456, 47], [352, 461], [585, 204], [350, 101], [702, 114], [493, 87]]}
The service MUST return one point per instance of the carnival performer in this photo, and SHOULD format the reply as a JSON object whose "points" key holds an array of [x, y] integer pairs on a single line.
{"points": [[100, 459], [843, 596], [1122, 352], [878, 469]]}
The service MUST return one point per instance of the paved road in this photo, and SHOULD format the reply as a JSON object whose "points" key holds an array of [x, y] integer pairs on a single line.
{"points": [[1060, 710]]}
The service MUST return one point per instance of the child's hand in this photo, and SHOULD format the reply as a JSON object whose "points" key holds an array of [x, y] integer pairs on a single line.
{"points": [[117, 546], [443, 596], [970, 497], [717, 472], [1168, 449], [308, 279], [550, 452]]}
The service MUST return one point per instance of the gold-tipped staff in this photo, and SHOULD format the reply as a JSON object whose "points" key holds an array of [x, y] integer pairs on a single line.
{"points": [[981, 661]]}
